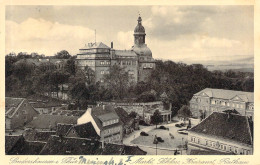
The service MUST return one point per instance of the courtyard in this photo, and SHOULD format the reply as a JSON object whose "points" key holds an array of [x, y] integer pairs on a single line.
{"points": [[163, 148]]}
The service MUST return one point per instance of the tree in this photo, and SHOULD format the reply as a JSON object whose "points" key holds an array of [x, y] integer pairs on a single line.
{"points": [[156, 118], [117, 82], [90, 75], [64, 54], [70, 66], [184, 112]]}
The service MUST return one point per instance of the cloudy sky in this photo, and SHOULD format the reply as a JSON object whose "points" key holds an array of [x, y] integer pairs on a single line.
{"points": [[191, 34]]}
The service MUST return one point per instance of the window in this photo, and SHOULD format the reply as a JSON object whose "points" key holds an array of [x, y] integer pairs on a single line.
{"points": [[102, 63], [102, 72]]}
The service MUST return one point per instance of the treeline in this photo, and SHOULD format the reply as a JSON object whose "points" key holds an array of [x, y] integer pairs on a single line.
{"points": [[179, 81]]}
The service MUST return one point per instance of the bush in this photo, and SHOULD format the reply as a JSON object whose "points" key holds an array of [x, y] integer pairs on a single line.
{"points": [[141, 122]]}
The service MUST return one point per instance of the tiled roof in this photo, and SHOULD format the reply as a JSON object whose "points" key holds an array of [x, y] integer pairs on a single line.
{"points": [[62, 129], [50, 121], [11, 104], [228, 126], [123, 115], [11, 140], [71, 146], [34, 135], [227, 94], [113, 149], [86, 131], [103, 110], [134, 150], [82, 146], [27, 148]]}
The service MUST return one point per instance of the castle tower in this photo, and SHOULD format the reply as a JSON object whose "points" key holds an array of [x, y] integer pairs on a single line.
{"points": [[139, 33]]}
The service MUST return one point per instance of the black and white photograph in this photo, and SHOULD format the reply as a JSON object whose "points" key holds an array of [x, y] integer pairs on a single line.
{"points": [[129, 80]]}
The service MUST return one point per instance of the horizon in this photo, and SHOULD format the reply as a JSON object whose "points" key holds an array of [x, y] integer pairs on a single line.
{"points": [[215, 35]]}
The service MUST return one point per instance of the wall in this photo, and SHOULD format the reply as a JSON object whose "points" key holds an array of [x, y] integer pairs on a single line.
{"points": [[205, 142]]}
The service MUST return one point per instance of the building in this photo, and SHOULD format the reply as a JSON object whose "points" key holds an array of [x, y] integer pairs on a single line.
{"points": [[18, 112], [106, 123], [49, 122], [129, 124], [138, 61], [217, 100], [144, 110], [83, 131], [57, 145], [17, 145], [224, 133]]}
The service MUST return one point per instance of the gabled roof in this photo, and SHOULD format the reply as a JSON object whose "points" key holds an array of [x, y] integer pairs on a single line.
{"points": [[123, 115], [227, 94], [12, 105], [96, 45], [100, 112], [11, 140], [50, 121], [85, 131], [228, 126], [62, 129]]}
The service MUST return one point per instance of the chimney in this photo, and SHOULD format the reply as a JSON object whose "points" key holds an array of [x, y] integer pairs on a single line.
{"points": [[112, 45]]}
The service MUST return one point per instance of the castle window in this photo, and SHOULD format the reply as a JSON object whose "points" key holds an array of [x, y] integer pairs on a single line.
{"points": [[102, 63]]}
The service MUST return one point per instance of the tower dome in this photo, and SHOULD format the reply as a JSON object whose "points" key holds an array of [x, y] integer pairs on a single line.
{"points": [[139, 27], [140, 48]]}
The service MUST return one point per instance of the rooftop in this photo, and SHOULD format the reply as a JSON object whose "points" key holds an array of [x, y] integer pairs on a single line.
{"points": [[85, 131], [228, 126], [50, 121], [96, 45], [62, 129], [84, 146], [227, 94]]}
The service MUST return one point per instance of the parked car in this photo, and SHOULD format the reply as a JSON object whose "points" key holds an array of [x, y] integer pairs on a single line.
{"points": [[144, 133], [178, 125], [159, 139], [162, 127]]}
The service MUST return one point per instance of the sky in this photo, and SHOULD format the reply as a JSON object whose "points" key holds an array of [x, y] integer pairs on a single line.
{"points": [[189, 34]]}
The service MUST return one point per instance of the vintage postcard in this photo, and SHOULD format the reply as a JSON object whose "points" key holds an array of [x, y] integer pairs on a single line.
{"points": [[129, 82]]}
